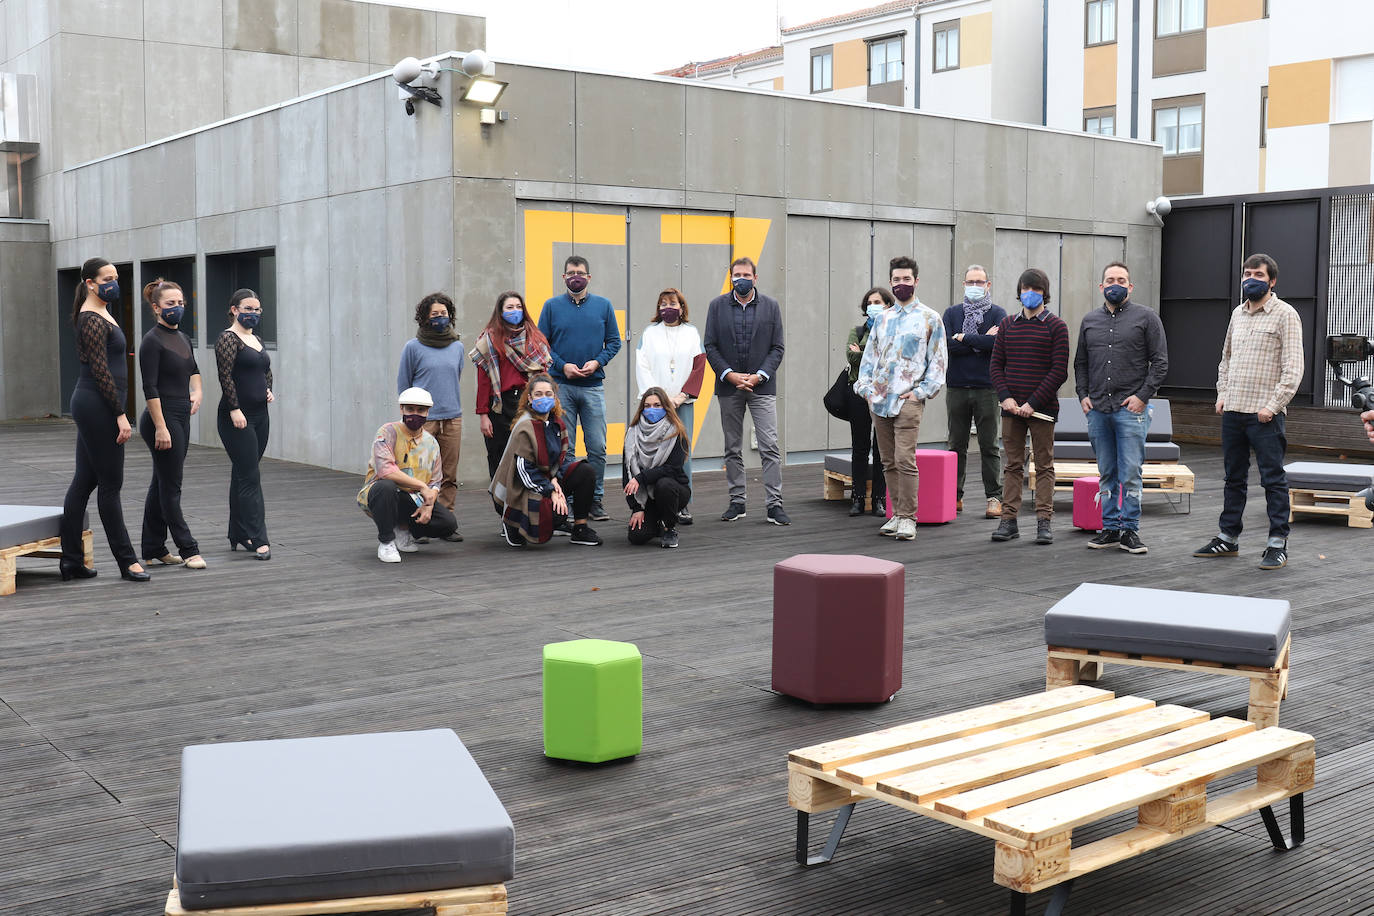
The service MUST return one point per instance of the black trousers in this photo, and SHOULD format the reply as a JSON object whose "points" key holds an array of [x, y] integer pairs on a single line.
{"points": [[579, 488], [162, 508], [247, 515], [99, 466], [500, 429], [392, 507], [863, 450], [669, 496]]}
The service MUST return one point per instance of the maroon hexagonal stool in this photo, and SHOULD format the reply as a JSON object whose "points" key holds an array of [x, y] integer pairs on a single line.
{"points": [[837, 628]]}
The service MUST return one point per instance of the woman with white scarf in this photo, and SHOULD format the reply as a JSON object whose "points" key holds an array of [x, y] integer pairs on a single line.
{"points": [[656, 486], [670, 356]]}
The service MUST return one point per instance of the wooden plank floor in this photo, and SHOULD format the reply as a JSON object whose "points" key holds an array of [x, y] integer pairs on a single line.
{"points": [[103, 682]]}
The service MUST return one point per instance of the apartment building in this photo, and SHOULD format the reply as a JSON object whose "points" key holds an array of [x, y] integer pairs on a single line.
{"points": [[761, 69]]}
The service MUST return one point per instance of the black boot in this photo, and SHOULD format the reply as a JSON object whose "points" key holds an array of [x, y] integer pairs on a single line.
{"points": [[879, 509], [856, 506]]}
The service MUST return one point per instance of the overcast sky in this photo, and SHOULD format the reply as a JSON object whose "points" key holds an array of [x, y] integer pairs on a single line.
{"points": [[635, 36]]}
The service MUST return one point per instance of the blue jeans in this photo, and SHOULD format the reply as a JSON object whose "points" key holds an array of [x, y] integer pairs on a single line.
{"points": [[588, 407], [1240, 433], [1118, 440]]}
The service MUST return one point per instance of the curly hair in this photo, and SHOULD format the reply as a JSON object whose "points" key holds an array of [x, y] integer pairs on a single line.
{"points": [[535, 379], [422, 310]]}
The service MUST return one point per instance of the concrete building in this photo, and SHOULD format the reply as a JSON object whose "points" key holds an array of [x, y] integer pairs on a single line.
{"points": [[343, 211]]}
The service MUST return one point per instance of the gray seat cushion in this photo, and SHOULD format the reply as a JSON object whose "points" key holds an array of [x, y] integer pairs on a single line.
{"points": [[839, 463], [1323, 475], [324, 818], [1161, 421], [1073, 423], [25, 524], [1083, 451], [1149, 621]]}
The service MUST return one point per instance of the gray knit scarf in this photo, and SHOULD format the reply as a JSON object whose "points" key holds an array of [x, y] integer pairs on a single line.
{"points": [[973, 315], [647, 445]]}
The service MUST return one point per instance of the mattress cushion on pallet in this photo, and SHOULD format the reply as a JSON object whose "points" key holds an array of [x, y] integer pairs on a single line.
{"points": [[1072, 425], [1324, 475], [26, 524], [839, 463], [324, 818], [1083, 451], [1149, 621]]}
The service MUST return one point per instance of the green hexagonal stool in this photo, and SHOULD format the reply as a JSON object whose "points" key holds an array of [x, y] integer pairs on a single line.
{"points": [[593, 700]]}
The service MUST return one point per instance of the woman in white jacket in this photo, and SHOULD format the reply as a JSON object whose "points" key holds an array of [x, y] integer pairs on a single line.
{"points": [[670, 356]]}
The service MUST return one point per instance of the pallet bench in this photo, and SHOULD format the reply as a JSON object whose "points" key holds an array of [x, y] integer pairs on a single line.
{"points": [[32, 531], [1027, 772], [1156, 476], [485, 900], [1329, 488]]}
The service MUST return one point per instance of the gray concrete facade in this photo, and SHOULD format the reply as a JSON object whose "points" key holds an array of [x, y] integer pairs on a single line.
{"points": [[657, 182]]}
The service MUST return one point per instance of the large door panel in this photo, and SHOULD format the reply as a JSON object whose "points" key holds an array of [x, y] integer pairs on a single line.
{"points": [[849, 277]]}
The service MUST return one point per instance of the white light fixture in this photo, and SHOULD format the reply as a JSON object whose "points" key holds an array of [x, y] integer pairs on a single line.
{"points": [[484, 91], [1159, 208]]}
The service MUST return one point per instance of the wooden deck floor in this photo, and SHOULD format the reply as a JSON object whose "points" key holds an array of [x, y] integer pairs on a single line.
{"points": [[103, 682]]}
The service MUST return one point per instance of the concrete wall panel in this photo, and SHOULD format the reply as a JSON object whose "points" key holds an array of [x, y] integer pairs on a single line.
{"points": [[183, 22], [305, 337], [163, 183], [1077, 293], [356, 141], [534, 145], [317, 74], [1062, 163], [233, 162], [420, 146], [302, 167], [255, 79], [108, 18], [397, 32], [261, 25], [1125, 176], [913, 161], [94, 120], [989, 167], [732, 143], [335, 29], [183, 88], [818, 137], [842, 272], [641, 151], [456, 32], [29, 320]]}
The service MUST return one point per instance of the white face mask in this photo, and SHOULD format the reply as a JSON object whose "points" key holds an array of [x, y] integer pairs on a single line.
{"points": [[873, 311], [974, 293]]}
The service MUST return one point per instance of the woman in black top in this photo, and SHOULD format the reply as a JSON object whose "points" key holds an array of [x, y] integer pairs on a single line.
{"points": [[656, 483], [101, 427], [861, 439], [245, 381], [171, 387]]}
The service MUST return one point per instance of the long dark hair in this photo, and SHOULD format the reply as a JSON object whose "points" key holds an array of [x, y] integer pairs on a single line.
{"points": [[238, 297], [499, 329], [669, 414], [88, 272]]}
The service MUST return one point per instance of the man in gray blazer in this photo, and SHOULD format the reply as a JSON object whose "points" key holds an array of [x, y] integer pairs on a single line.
{"points": [[744, 347]]}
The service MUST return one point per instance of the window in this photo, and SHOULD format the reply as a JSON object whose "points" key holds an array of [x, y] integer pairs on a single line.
{"points": [[1351, 98], [1179, 129], [1175, 16], [227, 273], [1264, 116], [1100, 121], [823, 69], [946, 45], [1101, 25], [181, 271], [885, 60]]}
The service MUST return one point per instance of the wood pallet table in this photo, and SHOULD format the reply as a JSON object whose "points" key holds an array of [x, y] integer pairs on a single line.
{"points": [[483, 900], [46, 548], [838, 486], [1027, 772], [1162, 476], [1351, 506]]}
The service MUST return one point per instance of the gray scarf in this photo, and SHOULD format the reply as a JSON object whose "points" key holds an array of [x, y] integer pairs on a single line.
{"points": [[973, 314], [647, 445]]}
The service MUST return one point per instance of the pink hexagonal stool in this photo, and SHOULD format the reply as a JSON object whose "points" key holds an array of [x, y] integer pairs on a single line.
{"points": [[1087, 510], [936, 502]]}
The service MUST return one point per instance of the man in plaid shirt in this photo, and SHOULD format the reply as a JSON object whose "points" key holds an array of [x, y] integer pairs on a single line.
{"points": [[1261, 366]]}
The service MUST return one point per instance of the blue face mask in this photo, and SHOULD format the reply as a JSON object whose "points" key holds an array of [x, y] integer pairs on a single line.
{"points": [[514, 317], [543, 404], [440, 323], [1032, 300], [172, 314], [249, 319], [1116, 293], [743, 285], [654, 414], [975, 293], [108, 292], [873, 312], [1254, 289]]}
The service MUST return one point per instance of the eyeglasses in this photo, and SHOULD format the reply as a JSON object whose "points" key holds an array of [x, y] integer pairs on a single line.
{"points": [[975, 282], [577, 273]]}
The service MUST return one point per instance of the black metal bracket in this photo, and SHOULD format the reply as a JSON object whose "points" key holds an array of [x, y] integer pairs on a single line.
{"points": [[1296, 823], [1054, 908], [831, 844]]}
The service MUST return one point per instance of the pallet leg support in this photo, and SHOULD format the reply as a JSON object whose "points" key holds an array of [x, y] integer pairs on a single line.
{"points": [[1061, 672], [832, 842], [1054, 908]]}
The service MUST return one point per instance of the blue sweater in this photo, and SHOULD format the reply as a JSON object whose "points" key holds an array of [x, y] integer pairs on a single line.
{"points": [[969, 358], [438, 370], [579, 332]]}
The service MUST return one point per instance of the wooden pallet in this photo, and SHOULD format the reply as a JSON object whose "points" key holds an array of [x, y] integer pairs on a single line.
{"points": [[47, 548], [463, 901], [1330, 502], [1156, 476], [838, 486], [1027, 772], [1268, 686]]}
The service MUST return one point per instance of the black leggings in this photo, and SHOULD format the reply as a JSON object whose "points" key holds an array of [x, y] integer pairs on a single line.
{"points": [[863, 450], [500, 429], [578, 489], [247, 521], [669, 496], [390, 505], [162, 508], [99, 466]]}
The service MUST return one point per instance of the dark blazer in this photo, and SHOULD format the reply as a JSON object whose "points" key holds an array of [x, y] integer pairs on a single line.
{"points": [[765, 349]]}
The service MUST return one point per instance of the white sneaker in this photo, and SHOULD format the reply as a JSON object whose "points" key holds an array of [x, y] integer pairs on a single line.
{"points": [[906, 530], [890, 529], [387, 552], [404, 542]]}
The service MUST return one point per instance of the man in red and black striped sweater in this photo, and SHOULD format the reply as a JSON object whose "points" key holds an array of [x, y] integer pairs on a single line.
{"points": [[1030, 360]]}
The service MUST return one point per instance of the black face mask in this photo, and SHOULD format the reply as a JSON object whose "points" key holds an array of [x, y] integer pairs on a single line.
{"points": [[413, 421], [1116, 294]]}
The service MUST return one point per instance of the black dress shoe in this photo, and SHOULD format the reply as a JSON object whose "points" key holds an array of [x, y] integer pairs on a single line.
{"points": [[75, 570], [134, 576]]}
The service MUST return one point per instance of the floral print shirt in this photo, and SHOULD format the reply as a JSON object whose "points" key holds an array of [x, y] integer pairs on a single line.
{"points": [[906, 352]]}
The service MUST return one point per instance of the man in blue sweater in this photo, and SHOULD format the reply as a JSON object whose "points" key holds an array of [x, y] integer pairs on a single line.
{"points": [[583, 337], [971, 329]]}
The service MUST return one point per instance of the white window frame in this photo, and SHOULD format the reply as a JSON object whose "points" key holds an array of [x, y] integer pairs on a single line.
{"points": [[1170, 127], [1179, 17], [889, 70]]}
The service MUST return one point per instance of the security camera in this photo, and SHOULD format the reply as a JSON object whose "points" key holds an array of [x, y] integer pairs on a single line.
{"points": [[415, 81], [1159, 208]]}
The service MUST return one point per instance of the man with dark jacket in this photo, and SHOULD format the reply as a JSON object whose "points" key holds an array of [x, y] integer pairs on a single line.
{"points": [[743, 344], [971, 330]]}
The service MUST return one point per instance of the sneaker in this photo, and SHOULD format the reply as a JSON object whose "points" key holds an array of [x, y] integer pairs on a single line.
{"points": [[890, 529], [387, 552], [562, 525], [906, 530], [778, 517], [453, 537], [1105, 539], [684, 517], [856, 507], [1043, 534], [598, 513], [1274, 558], [1216, 547], [1006, 530], [422, 540], [404, 542], [584, 535], [735, 511], [668, 539], [1130, 542], [994, 509], [958, 505], [512, 537]]}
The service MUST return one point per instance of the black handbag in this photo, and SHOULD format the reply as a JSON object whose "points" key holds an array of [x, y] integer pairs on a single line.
{"points": [[836, 400]]}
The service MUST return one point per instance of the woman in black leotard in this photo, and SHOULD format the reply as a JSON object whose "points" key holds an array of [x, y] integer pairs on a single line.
{"points": [[245, 380], [101, 425], [171, 386]]}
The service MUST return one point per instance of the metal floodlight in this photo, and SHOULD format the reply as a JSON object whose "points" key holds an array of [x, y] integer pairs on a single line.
{"points": [[484, 91]]}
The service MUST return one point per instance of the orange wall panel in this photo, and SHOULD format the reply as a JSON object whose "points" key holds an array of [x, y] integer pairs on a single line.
{"points": [[1300, 94], [1099, 76]]}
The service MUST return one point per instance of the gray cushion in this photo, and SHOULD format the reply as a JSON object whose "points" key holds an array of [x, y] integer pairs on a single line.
{"points": [[840, 463], [1322, 475], [1083, 451], [1161, 421], [25, 524], [1073, 423], [347, 816], [1149, 621]]}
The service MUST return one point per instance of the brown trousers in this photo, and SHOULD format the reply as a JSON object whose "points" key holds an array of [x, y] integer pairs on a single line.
{"points": [[449, 433], [1014, 430], [897, 437]]}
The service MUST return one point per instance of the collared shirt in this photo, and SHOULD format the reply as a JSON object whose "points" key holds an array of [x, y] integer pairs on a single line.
{"points": [[1262, 358], [906, 352], [1121, 353], [742, 325]]}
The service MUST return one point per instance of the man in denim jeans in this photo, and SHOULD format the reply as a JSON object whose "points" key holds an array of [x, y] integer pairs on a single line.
{"points": [[1120, 363]]}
